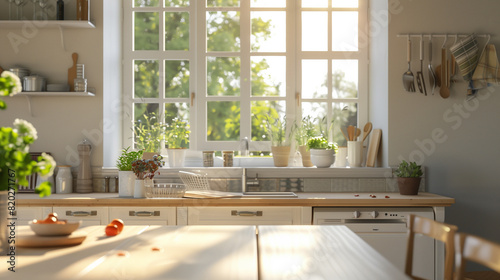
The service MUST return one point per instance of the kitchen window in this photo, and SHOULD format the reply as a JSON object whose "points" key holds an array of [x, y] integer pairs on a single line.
{"points": [[226, 66]]}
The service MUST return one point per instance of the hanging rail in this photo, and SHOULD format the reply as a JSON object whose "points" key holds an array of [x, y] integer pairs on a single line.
{"points": [[441, 35]]}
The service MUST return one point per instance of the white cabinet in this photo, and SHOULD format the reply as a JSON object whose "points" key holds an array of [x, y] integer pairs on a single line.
{"points": [[240, 215], [27, 214], [88, 215], [134, 215]]}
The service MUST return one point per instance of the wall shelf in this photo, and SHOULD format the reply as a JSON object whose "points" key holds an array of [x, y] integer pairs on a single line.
{"points": [[47, 23], [50, 93], [29, 94]]}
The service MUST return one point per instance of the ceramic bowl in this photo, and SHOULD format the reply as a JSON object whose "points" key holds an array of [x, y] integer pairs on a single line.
{"points": [[54, 229]]}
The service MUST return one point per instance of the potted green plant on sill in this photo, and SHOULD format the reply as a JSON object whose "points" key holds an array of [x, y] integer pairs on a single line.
{"points": [[305, 131], [409, 176], [177, 140], [280, 140], [322, 151], [125, 174]]}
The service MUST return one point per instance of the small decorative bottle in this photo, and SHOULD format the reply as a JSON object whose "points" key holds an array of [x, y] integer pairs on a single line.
{"points": [[64, 179], [84, 180]]}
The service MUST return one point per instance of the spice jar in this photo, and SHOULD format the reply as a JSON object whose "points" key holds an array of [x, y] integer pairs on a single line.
{"points": [[228, 158], [208, 158], [64, 179]]}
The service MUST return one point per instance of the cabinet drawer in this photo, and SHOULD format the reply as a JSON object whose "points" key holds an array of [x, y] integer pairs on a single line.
{"points": [[26, 214], [241, 215], [88, 215], [144, 215]]}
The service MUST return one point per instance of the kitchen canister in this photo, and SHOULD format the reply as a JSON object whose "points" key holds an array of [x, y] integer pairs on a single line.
{"points": [[64, 179], [208, 158], [227, 157]]}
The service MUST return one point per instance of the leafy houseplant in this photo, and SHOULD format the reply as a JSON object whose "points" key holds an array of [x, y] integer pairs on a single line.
{"points": [[15, 160], [177, 140], [322, 151], [125, 175], [409, 176], [148, 133], [280, 141], [145, 169], [305, 131]]}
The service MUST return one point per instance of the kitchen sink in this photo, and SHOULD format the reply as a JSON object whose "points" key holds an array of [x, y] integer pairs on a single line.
{"points": [[269, 195]]}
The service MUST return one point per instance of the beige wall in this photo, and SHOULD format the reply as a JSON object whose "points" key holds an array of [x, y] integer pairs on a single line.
{"points": [[61, 122], [463, 162]]}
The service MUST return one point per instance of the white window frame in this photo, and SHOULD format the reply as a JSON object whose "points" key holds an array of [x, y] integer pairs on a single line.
{"points": [[197, 61]]}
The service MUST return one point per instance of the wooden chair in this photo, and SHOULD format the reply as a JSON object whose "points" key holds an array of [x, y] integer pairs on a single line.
{"points": [[469, 247], [436, 230]]}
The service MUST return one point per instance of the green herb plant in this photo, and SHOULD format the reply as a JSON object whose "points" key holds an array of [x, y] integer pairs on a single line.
{"points": [[124, 162], [177, 134], [149, 133], [277, 132], [321, 142], [305, 131], [409, 170]]}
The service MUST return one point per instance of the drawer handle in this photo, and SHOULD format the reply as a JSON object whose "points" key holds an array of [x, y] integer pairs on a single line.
{"points": [[81, 213], [246, 213], [144, 213]]}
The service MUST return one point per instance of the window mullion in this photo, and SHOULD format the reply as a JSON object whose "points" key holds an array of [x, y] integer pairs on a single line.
{"points": [[245, 71]]}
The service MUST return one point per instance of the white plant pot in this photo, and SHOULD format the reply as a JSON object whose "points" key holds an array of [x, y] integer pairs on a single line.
{"points": [[176, 157], [139, 189], [126, 181], [322, 158]]}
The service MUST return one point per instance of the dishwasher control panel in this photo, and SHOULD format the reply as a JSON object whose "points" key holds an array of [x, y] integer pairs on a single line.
{"points": [[342, 215]]}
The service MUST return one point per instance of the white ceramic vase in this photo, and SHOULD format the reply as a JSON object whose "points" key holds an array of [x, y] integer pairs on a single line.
{"points": [[322, 158], [139, 188], [126, 183], [176, 157]]}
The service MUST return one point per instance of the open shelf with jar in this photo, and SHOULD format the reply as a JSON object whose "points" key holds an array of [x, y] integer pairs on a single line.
{"points": [[47, 23]]}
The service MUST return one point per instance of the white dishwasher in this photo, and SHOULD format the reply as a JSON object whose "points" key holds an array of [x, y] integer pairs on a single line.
{"points": [[385, 230]]}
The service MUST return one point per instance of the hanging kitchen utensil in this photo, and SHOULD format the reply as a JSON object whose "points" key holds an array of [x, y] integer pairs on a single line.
{"points": [[444, 91], [432, 75], [366, 130], [420, 75], [72, 72], [408, 78], [453, 70]]}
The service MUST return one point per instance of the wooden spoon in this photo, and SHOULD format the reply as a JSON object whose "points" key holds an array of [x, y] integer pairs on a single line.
{"points": [[366, 130], [358, 133], [444, 91], [350, 132], [343, 133]]}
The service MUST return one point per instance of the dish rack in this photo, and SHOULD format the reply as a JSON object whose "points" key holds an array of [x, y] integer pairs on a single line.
{"points": [[165, 190], [194, 181]]}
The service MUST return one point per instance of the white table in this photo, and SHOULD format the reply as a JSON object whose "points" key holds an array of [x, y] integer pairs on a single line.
{"points": [[207, 252]]}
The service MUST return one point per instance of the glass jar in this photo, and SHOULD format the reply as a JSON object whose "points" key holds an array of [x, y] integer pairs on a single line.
{"points": [[64, 179], [80, 85], [208, 158], [228, 158]]}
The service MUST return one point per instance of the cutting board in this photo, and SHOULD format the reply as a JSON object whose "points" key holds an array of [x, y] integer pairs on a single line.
{"points": [[373, 147], [30, 239], [72, 72]]}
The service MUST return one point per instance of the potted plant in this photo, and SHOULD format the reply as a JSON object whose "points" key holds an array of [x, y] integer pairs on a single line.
{"points": [[145, 169], [322, 151], [409, 177], [16, 163], [280, 141], [176, 140], [125, 174], [305, 131]]}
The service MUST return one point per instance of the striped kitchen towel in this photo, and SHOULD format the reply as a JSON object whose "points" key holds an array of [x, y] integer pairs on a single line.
{"points": [[487, 72], [466, 55]]}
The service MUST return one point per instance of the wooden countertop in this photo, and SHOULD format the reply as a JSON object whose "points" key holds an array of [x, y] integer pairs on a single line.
{"points": [[304, 199]]}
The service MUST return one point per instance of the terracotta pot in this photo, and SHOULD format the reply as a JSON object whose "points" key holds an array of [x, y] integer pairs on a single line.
{"points": [[306, 156], [409, 186], [281, 154]]}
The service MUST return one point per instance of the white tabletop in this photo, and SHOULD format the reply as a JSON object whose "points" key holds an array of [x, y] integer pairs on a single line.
{"points": [[207, 252], [320, 252]]}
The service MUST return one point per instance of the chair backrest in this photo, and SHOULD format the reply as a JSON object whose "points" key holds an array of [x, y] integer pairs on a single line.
{"points": [[436, 230], [469, 247]]}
